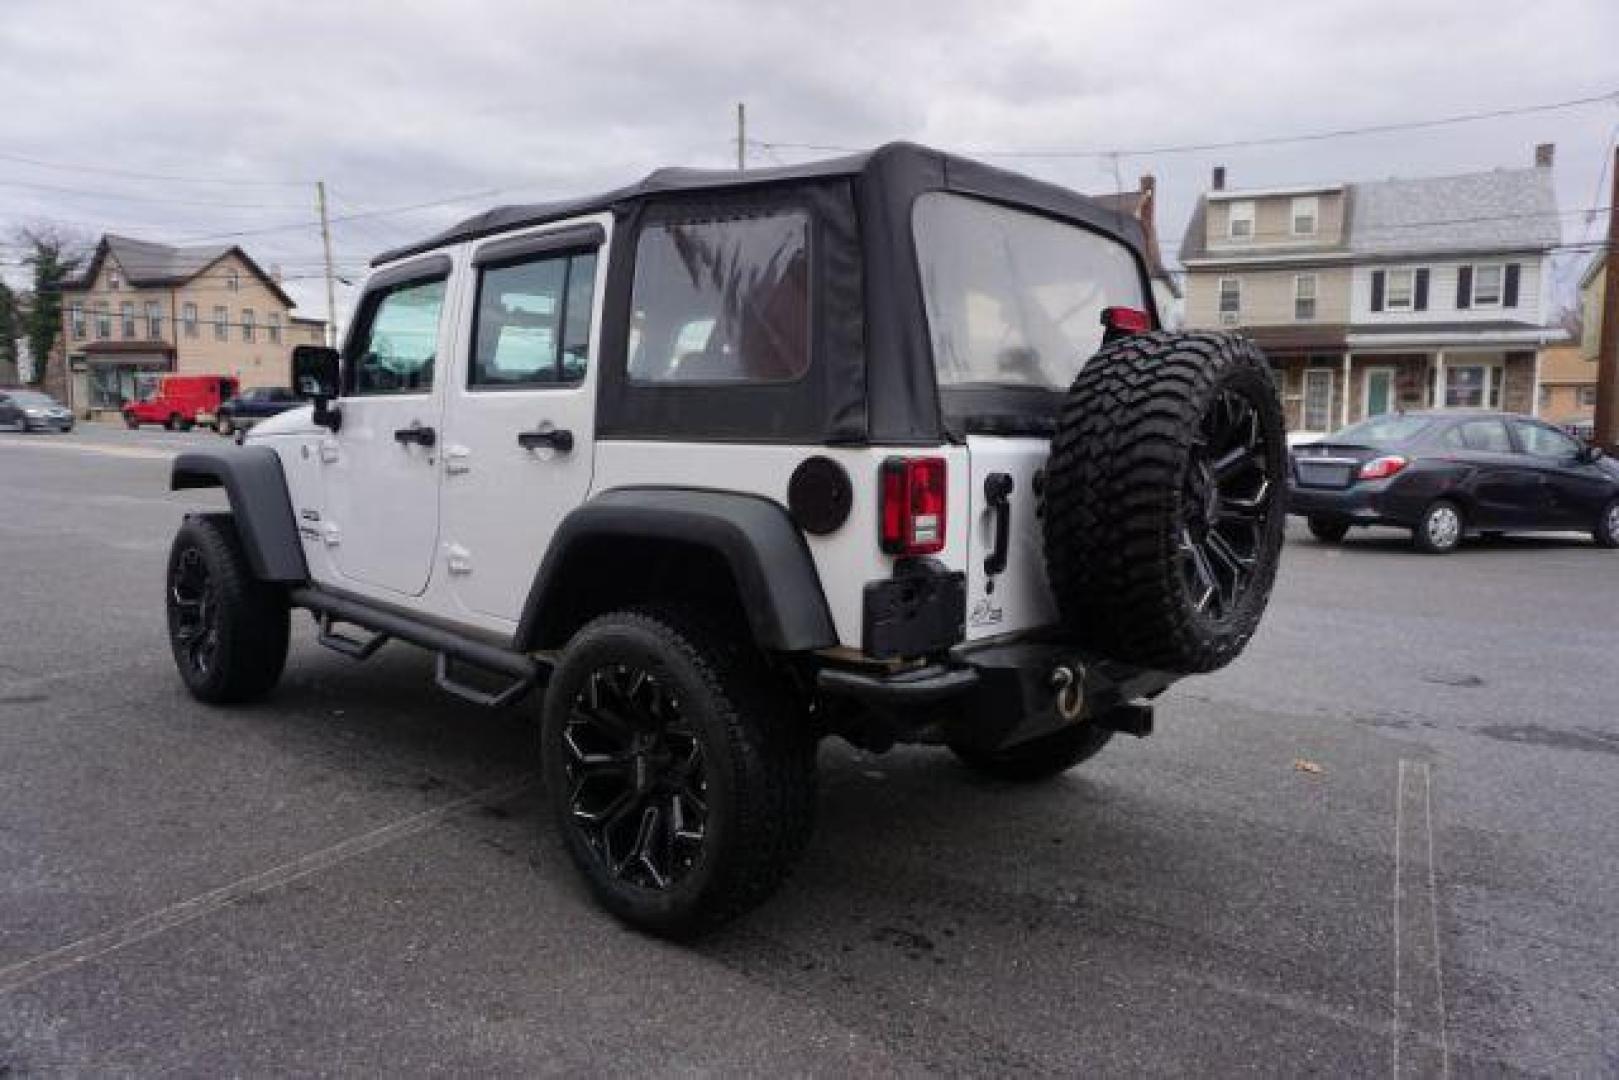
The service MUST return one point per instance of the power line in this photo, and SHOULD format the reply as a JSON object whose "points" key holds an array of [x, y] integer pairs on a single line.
{"points": [[1231, 144], [105, 171], [118, 197]]}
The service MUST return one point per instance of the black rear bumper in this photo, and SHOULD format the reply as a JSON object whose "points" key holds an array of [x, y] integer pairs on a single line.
{"points": [[1362, 503], [999, 694]]}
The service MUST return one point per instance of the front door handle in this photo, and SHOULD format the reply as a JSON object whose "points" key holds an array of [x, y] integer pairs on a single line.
{"points": [[558, 439], [416, 433]]}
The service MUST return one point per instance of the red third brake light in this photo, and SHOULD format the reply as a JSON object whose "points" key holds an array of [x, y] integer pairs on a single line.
{"points": [[913, 508], [1126, 320], [1381, 468]]}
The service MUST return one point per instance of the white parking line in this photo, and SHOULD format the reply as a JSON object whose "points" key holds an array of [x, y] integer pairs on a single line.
{"points": [[85, 949], [1421, 1039]]}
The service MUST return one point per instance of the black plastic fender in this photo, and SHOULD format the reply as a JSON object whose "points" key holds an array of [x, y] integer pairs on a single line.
{"points": [[251, 476], [754, 536]]}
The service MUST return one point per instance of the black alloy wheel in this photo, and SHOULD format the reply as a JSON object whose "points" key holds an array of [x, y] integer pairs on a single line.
{"points": [[638, 789], [194, 614], [679, 768], [1226, 505]]}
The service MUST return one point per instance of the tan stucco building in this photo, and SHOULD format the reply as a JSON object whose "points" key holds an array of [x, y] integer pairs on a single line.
{"points": [[141, 309]]}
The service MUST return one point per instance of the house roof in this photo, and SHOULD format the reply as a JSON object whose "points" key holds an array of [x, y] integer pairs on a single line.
{"points": [[145, 263], [1503, 210]]}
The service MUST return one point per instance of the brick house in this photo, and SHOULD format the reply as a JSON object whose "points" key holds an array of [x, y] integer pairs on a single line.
{"points": [[1385, 295], [1568, 387], [141, 308]]}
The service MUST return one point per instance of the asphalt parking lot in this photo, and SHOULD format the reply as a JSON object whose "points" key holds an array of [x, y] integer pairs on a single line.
{"points": [[1386, 840]]}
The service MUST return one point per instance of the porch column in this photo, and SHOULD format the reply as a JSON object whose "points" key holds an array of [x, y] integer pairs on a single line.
{"points": [[1439, 379], [1343, 404]]}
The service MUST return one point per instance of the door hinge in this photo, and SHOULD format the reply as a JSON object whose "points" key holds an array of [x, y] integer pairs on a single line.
{"points": [[331, 534], [458, 558], [457, 459], [328, 451]]}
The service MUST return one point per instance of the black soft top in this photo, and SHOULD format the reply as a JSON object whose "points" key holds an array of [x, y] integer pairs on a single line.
{"points": [[871, 377], [902, 166]]}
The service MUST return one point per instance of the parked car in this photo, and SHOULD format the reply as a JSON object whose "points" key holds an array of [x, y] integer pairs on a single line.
{"points": [[1444, 475], [887, 448], [180, 401], [31, 410], [244, 410]]}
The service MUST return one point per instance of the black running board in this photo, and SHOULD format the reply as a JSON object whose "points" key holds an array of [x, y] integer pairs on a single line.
{"points": [[525, 671]]}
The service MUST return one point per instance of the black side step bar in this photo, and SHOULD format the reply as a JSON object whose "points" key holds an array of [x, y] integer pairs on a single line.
{"points": [[525, 671]]}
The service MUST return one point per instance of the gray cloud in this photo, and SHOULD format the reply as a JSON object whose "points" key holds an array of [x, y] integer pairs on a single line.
{"points": [[395, 103]]}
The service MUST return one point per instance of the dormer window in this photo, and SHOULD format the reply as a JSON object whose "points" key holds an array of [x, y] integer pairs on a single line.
{"points": [[1306, 212], [1240, 222]]}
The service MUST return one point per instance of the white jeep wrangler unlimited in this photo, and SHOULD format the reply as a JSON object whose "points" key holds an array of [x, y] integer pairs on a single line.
{"points": [[883, 447]]}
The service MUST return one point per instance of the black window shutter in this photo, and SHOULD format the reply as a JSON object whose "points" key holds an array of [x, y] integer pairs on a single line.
{"points": [[1509, 292], [1464, 288], [1421, 302], [1377, 290]]}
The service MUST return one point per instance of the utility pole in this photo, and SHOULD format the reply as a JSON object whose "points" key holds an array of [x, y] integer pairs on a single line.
{"points": [[741, 137], [331, 283], [1605, 426]]}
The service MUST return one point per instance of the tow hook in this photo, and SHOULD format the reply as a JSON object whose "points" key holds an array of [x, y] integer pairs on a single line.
{"points": [[1069, 685]]}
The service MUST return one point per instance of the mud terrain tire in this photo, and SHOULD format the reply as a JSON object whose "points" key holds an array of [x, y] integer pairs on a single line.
{"points": [[1164, 499]]}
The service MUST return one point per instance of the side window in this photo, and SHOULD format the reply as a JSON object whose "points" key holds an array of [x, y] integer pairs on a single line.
{"points": [[724, 301], [533, 325], [395, 352], [1544, 442], [1485, 436]]}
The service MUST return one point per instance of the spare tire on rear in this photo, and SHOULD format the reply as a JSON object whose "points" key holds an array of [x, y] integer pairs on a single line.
{"points": [[1164, 499]]}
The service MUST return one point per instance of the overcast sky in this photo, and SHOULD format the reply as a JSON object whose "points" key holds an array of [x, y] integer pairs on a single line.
{"points": [[397, 103]]}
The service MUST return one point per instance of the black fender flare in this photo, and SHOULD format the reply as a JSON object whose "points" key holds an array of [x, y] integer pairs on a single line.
{"points": [[252, 477], [754, 537]]}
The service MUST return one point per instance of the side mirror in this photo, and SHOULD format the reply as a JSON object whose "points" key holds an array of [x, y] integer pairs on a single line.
{"points": [[315, 377], [1592, 452]]}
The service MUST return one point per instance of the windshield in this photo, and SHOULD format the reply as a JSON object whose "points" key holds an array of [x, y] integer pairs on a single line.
{"points": [[1389, 428], [1015, 299], [30, 397]]}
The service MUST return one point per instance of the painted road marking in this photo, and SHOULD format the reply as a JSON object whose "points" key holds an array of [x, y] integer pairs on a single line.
{"points": [[1421, 1041], [165, 919]]}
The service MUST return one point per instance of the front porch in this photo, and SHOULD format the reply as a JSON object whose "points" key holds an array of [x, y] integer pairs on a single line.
{"points": [[1321, 393]]}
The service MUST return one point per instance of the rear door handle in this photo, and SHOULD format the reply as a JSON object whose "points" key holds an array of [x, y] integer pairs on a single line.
{"points": [[558, 439], [416, 433], [998, 493]]}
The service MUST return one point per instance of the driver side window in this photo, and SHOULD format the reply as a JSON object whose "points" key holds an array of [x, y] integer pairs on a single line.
{"points": [[395, 352]]}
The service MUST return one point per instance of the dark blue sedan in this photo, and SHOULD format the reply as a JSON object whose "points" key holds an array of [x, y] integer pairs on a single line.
{"points": [[1445, 475]]}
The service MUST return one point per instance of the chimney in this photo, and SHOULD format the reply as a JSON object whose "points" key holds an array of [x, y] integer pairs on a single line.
{"points": [[1544, 154], [1219, 178]]}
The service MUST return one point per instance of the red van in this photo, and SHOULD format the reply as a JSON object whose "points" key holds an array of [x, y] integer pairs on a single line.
{"points": [[179, 401]]}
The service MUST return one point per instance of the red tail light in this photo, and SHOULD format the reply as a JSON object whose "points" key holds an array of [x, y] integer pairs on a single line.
{"points": [[1382, 468], [913, 506]]}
